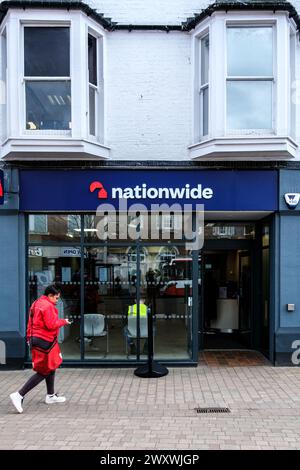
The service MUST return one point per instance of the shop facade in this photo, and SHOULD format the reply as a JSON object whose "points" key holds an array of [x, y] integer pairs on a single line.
{"points": [[167, 181], [219, 294]]}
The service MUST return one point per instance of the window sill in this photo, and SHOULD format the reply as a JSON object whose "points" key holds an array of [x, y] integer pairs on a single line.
{"points": [[52, 148], [263, 147]]}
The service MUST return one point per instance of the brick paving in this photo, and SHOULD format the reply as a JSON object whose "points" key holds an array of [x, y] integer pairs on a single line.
{"points": [[114, 409]]}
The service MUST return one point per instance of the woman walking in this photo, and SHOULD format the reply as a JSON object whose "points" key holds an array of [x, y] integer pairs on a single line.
{"points": [[42, 332]]}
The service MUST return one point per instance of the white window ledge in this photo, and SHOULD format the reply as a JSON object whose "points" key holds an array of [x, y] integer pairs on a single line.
{"points": [[243, 148], [37, 148]]}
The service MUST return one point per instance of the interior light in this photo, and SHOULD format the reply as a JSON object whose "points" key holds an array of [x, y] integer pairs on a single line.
{"points": [[85, 230], [31, 125]]}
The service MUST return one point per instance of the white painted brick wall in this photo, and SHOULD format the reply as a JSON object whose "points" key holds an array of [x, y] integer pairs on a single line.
{"points": [[148, 95], [148, 11], [149, 81]]}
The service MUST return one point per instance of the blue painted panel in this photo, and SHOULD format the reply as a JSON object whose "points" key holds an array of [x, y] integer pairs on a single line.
{"points": [[289, 182], [289, 270], [10, 302], [70, 190]]}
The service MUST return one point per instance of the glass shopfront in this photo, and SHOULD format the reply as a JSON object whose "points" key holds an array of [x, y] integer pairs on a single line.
{"points": [[210, 291], [100, 283]]}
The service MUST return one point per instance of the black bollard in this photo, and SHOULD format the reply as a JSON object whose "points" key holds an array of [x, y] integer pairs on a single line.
{"points": [[152, 369]]}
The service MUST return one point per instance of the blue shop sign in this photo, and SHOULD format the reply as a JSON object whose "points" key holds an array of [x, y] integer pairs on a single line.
{"points": [[85, 190], [1, 187]]}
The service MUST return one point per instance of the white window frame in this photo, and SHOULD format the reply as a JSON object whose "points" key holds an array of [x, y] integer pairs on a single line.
{"points": [[24, 79], [203, 30], [98, 88], [253, 24], [202, 88], [3, 82], [292, 72]]}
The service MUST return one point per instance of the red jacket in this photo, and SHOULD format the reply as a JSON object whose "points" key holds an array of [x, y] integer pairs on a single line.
{"points": [[45, 323]]}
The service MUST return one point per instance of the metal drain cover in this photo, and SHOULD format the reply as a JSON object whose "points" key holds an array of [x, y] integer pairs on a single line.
{"points": [[212, 410]]}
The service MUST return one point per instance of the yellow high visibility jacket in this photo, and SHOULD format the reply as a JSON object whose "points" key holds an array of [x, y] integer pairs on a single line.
{"points": [[132, 310]]}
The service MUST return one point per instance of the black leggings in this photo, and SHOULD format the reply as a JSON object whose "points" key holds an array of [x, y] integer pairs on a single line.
{"points": [[35, 380]]}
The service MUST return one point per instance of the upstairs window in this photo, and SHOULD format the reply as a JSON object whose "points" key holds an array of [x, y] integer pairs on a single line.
{"points": [[204, 85], [93, 84], [250, 79], [47, 79]]}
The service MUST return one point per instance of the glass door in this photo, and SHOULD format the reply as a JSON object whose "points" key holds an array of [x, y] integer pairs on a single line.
{"points": [[110, 288], [166, 286]]}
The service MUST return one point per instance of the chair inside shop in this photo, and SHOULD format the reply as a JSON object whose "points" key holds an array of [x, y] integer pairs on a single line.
{"points": [[94, 327]]}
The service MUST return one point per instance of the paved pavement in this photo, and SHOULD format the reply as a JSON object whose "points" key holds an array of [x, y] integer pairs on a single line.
{"points": [[113, 409]]}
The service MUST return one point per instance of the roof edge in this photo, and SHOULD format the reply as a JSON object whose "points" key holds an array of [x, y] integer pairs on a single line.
{"points": [[186, 26], [107, 23], [227, 5]]}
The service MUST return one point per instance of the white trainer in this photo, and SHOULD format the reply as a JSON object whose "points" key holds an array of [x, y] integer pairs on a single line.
{"points": [[17, 401], [54, 399]]}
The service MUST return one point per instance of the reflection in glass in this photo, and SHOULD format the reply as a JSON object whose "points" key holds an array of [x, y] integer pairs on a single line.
{"points": [[204, 59], [120, 227], [48, 105], [249, 105], [266, 235], [234, 231], [54, 227], [92, 59], [59, 265], [47, 51], [109, 289], [92, 110], [250, 51], [205, 111]]}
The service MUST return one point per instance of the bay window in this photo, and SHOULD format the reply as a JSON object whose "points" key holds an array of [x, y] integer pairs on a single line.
{"points": [[51, 63], [244, 85]]}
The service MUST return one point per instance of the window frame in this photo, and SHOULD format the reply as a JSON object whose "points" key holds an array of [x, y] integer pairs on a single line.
{"points": [[202, 31], [3, 83], [292, 114], [97, 88], [235, 78], [24, 79], [203, 87]]}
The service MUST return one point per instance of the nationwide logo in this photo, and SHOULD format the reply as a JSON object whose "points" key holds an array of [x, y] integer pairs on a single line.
{"points": [[292, 199], [102, 193], [144, 192]]}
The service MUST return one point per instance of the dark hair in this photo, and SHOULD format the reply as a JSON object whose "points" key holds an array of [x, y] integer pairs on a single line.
{"points": [[52, 290]]}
